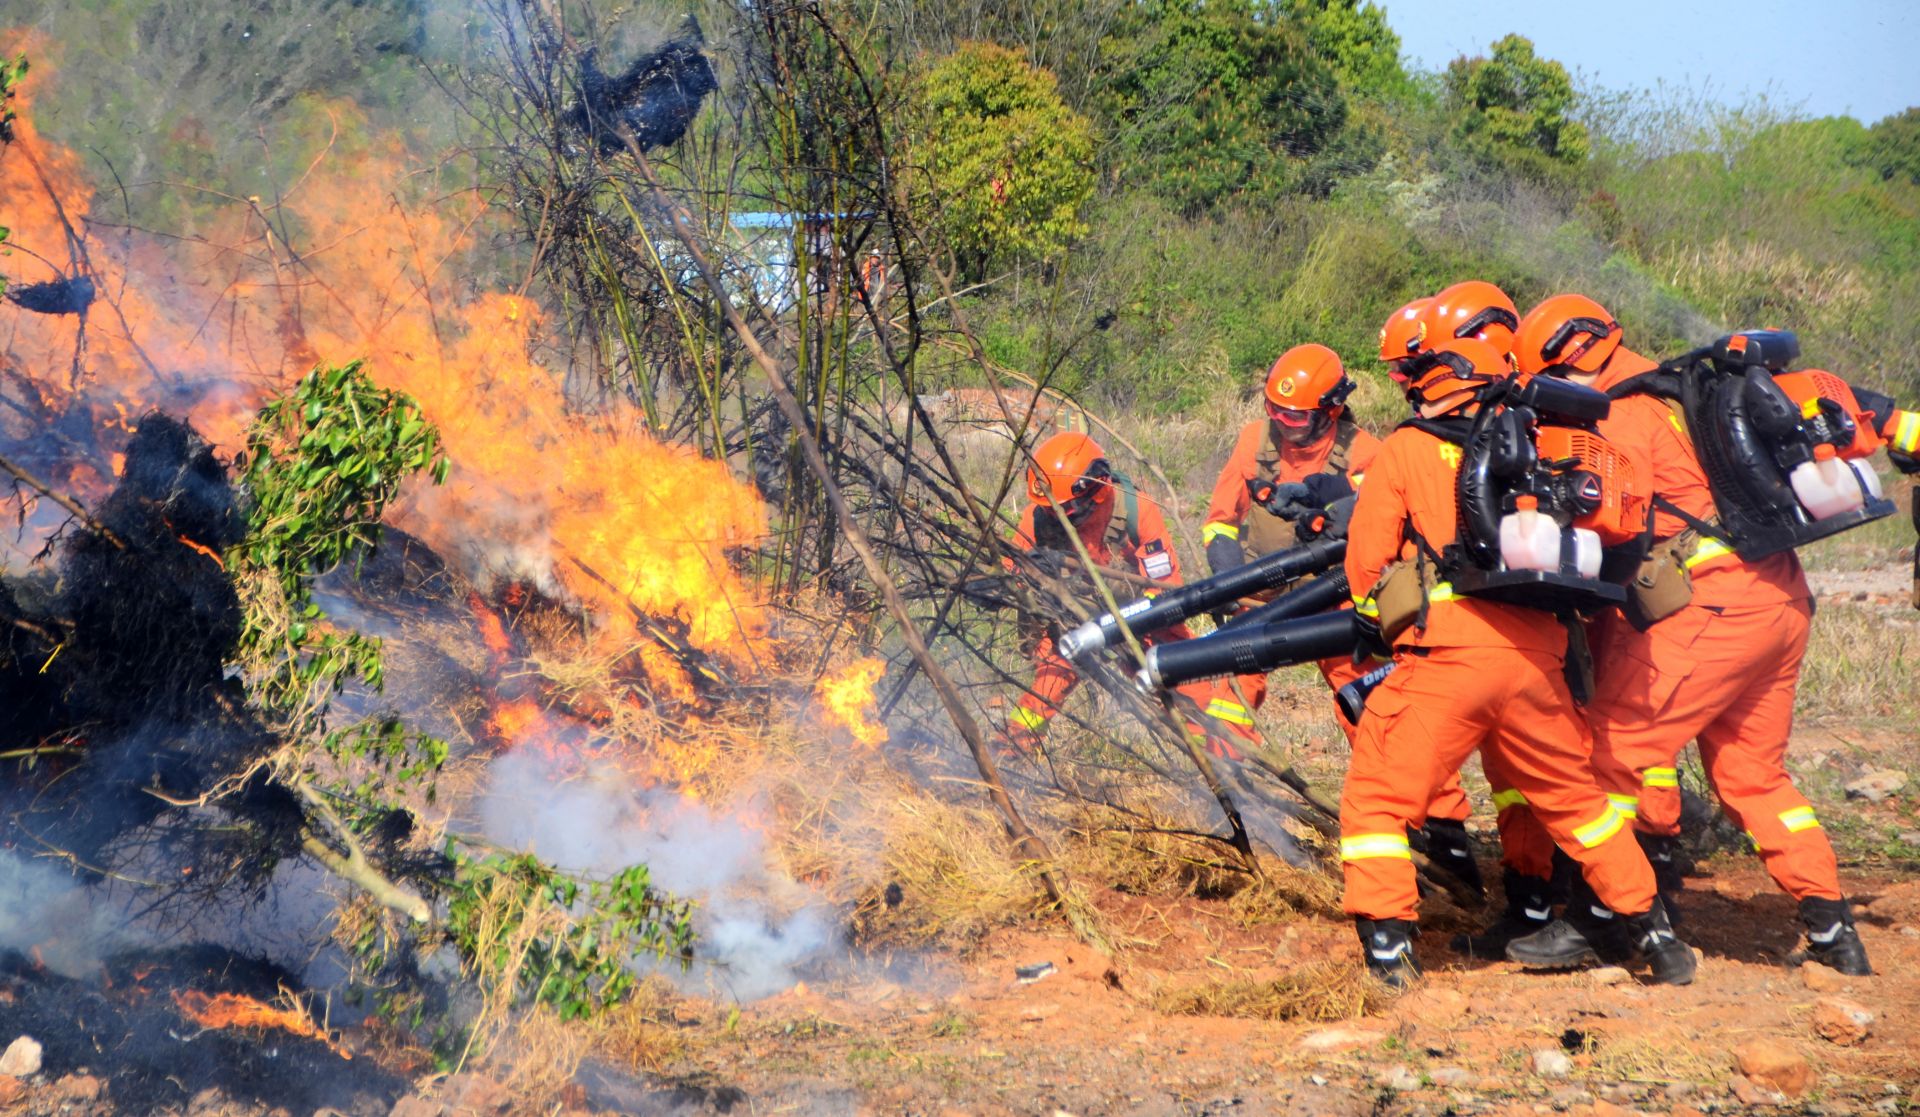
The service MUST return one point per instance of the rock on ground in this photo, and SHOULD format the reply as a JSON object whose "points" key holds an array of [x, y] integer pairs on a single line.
{"points": [[1877, 785], [1839, 1020], [22, 1058], [1774, 1065], [1551, 1062]]}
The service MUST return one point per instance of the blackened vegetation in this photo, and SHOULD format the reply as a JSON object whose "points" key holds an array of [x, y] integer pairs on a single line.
{"points": [[126, 660], [654, 99], [55, 296], [129, 1029]]}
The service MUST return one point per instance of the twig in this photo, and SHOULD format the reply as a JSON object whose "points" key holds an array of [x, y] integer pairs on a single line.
{"points": [[63, 501]]}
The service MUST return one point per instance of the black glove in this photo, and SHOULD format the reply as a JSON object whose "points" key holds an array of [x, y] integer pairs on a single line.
{"points": [[1905, 463], [1326, 488], [1223, 554], [1338, 517], [1291, 500]]}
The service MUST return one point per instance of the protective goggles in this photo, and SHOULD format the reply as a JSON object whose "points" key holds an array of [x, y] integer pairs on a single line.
{"points": [[1086, 491]]}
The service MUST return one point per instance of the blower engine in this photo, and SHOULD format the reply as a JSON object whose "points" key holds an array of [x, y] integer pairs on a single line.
{"points": [[1541, 495], [1782, 450]]}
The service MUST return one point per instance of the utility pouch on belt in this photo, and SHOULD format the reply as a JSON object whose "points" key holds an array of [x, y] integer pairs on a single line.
{"points": [[1401, 596], [1662, 585]]}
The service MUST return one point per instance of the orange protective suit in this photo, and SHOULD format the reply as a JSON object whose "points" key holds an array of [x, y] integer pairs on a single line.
{"points": [[1109, 542], [1723, 669], [1479, 675]]}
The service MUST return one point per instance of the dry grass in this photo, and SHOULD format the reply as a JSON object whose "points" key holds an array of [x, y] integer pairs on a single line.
{"points": [[640, 1031], [1662, 1055], [1860, 664], [1316, 993]]}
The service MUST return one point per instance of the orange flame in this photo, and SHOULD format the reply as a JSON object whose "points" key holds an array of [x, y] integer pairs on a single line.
{"points": [[585, 502], [236, 1010], [847, 695]]}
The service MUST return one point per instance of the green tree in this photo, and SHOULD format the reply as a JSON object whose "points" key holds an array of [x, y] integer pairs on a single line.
{"points": [[1892, 147], [1212, 100], [1352, 36], [1514, 107], [1010, 163]]}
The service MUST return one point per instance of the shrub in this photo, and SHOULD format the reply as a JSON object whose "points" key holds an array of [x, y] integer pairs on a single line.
{"points": [[1010, 163]]}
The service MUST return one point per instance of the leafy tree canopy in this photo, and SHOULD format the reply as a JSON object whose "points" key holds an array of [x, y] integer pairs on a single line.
{"points": [[1514, 108], [1892, 147], [1011, 164], [1353, 37], [1209, 100]]}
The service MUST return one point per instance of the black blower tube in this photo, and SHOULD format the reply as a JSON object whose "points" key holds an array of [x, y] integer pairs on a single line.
{"points": [[1328, 591], [1253, 651], [1151, 614], [1352, 698]]}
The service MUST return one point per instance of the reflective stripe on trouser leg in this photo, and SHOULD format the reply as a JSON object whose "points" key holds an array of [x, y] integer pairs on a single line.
{"points": [[1360, 847], [1229, 711], [1627, 805]]}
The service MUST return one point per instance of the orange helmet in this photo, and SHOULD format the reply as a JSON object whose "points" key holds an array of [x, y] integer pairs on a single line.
{"points": [[1406, 332], [1566, 333], [1072, 469], [1307, 378], [1476, 309], [1456, 364]]}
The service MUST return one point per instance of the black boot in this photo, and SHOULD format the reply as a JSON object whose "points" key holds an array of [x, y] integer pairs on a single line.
{"points": [[1670, 959], [1662, 854], [1588, 931], [1388, 945], [1529, 909], [1450, 848], [1831, 939]]}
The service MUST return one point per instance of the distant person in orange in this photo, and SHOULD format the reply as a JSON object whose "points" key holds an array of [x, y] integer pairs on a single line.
{"points": [[1723, 668], [1470, 674], [1121, 528]]}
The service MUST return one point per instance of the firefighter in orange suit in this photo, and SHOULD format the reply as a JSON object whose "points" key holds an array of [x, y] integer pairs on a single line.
{"points": [[1478, 310], [1472, 674], [1307, 454], [1722, 669], [1119, 527]]}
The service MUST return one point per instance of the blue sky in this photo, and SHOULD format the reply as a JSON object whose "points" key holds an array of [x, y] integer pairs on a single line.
{"points": [[1831, 57]]}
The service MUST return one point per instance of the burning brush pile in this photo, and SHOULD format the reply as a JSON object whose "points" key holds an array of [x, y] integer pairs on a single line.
{"points": [[418, 636]]}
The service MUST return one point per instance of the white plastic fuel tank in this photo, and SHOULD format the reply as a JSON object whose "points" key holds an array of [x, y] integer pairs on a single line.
{"points": [[1529, 540], [1826, 487]]}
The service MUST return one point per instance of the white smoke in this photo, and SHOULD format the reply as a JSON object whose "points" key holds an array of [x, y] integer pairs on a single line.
{"points": [[47, 913], [755, 924]]}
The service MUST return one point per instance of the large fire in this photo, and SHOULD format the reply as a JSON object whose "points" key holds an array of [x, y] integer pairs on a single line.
{"points": [[585, 503]]}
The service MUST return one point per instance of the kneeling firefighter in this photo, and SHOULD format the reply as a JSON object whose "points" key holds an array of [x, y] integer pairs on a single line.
{"points": [[1709, 643], [1461, 549], [1118, 526]]}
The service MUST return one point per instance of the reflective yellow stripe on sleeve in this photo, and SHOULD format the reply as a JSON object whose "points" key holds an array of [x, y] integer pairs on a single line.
{"points": [[1509, 797], [1363, 846], [1906, 432], [1028, 719], [1213, 531], [1229, 711], [1796, 819], [1660, 777], [1600, 829], [1628, 805]]}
